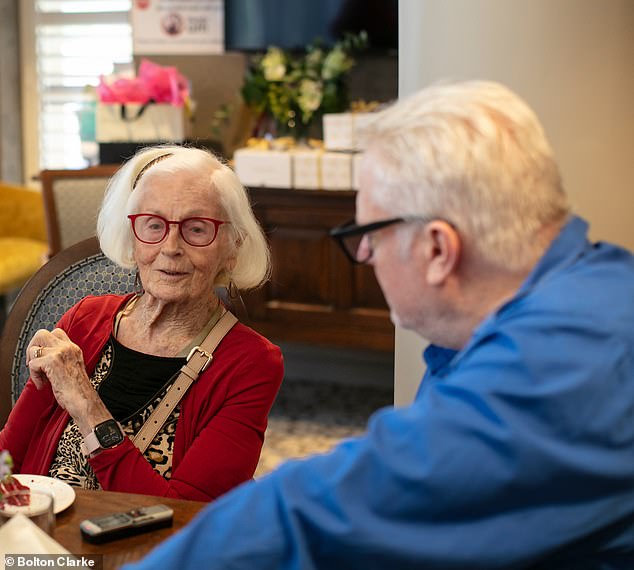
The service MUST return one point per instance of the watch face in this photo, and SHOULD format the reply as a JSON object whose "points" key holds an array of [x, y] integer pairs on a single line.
{"points": [[108, 434]]}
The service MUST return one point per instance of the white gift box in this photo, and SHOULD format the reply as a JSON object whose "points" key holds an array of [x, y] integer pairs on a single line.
{"points": [[132, 122], [357, 158], [336, 171], [319, 170], [307, 169], [259, 167], [342, 130]]}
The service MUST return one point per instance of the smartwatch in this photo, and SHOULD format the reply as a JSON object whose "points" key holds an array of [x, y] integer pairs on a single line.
{"points": [[106, 435]]}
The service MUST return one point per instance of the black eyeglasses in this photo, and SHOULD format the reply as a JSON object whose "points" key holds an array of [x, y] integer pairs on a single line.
{"points": [[349, 236], [152, 229]]}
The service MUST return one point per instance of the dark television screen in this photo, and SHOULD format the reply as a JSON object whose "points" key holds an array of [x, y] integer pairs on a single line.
{"points": [[254, 25]]}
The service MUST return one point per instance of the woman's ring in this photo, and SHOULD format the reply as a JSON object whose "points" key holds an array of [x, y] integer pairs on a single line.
{"points": [[38, 351]]}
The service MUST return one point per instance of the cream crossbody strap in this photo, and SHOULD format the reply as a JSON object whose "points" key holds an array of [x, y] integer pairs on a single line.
{"points": [[198, 361]]}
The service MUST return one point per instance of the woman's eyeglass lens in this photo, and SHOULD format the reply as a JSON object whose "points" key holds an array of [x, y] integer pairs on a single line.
{"points": [[152, 229]]}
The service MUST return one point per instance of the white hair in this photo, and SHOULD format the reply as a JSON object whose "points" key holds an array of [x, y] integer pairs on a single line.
{"points": [[474, 154], [114, 231]]}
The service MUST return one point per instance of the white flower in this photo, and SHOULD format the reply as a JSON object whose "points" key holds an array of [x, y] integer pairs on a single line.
{"points": [[310, 96], [314, 59], [335, 63], [274, 65]]}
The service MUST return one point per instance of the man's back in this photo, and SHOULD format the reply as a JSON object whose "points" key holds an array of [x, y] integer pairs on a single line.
{"points": [[545, 393]]}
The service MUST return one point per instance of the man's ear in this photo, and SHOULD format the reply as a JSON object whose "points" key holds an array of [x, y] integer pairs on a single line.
{"points": [[442, 248]]}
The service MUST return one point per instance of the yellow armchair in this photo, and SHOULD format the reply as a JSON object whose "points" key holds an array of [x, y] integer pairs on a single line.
{"points": [[23, 243]]}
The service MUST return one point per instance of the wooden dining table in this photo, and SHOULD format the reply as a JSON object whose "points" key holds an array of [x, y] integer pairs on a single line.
{"points": [[89, 504]]}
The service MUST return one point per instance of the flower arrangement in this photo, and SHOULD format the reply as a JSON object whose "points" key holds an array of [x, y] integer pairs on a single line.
{"points": [[153, 84], [295, 90]]}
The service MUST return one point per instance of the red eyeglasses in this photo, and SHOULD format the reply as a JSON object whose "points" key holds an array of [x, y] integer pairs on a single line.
{"points": [[153, 229]]}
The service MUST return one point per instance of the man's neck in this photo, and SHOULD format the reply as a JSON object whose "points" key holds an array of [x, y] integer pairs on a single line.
{"points": [[470, 301], [483, 288]]}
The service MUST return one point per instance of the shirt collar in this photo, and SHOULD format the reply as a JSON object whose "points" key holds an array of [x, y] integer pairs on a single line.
{"points": [[437, 357]]}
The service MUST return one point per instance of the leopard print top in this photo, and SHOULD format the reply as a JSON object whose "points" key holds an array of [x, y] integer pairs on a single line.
{"points": [[70, 465]]}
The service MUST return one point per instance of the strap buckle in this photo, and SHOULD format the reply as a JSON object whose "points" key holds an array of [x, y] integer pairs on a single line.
{"points": [[204, 353]]}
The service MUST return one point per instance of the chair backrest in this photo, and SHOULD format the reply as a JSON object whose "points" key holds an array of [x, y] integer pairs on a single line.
{"points": [[72, 274], [71, 202]]}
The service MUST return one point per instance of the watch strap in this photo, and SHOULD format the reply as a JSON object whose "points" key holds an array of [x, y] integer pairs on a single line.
{"points": [[90, 444], [198, 360]]}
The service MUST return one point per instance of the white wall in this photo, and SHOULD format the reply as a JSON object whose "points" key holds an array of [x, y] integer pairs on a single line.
{"points": [[572, 61]]}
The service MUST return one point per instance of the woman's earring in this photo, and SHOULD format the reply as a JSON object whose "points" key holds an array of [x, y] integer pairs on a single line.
{"points": [[138, 286], [233, 290], [230, 297]]}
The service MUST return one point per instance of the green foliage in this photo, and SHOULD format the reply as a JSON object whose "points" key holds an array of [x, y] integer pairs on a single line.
{"points": [[219, 119], [297, 89]]}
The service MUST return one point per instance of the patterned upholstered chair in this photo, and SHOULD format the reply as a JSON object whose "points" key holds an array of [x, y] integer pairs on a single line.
{"points": [[68, 277], [22, 238], [71, 202]]}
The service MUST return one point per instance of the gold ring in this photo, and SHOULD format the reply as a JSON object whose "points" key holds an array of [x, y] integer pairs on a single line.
{"points": [[38, 352]]}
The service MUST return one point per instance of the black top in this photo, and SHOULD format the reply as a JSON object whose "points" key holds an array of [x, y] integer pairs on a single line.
{"points": [[135, 379]]}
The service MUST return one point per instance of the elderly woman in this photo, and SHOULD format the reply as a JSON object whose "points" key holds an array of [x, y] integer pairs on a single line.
{"points": [[183, 220]]}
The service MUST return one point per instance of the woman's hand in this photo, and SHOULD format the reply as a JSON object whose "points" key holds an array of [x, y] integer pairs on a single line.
{"points": [[52, 357]]}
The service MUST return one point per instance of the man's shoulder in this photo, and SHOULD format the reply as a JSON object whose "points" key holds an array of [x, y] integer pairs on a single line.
{"points": [[596, 290]]}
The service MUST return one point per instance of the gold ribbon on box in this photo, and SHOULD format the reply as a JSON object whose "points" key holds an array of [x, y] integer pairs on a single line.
{"points": [[361, 106], [283, 143], [320, 176]]}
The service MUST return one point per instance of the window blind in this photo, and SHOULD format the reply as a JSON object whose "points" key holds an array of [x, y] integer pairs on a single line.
{"points": [[76, 42]]}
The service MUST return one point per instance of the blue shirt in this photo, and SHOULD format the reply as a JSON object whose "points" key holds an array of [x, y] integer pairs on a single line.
{"points": [[518, 450]]}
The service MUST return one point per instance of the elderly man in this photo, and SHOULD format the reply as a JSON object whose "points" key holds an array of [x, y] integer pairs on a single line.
{"points": [[519, 448]]}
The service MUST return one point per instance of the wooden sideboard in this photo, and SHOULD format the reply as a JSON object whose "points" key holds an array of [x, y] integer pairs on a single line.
{"points": [[315, 294]]}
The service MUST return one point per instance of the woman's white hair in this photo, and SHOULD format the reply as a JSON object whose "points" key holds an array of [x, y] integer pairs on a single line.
{"points": [[114, 231], [475, 154]]}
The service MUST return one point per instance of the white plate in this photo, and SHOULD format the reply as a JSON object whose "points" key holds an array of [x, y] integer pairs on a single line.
{"points": [[63, 493]]}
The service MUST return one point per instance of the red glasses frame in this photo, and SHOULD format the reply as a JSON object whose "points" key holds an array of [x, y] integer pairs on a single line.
{"points": [[217, 223]]}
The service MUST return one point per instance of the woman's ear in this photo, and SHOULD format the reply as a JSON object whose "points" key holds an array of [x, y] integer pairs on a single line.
{"points": [[441, 248]]}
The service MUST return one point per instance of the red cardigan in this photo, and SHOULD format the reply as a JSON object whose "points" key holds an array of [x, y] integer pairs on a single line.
{"points": [[220, 428]]}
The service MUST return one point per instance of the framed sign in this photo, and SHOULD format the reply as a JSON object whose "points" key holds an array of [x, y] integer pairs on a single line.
{"points": [[171, 27]]}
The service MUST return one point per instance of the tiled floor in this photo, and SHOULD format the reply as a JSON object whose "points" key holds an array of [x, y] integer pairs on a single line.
{"points": [[312, 416]]}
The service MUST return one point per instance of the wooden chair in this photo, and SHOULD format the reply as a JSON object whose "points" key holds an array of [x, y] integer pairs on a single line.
{"points": [[69, 276], [71, 202]]}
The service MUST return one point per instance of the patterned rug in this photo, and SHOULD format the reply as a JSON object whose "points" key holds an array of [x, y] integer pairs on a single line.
{"points": [[312, 417]]}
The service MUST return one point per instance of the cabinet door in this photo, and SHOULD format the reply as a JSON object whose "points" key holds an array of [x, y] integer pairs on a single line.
{"points": [[315, 295]]}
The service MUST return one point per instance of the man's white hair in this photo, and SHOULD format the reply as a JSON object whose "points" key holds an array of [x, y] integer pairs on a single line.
{"points": [[116, 239], [475, 154]]}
